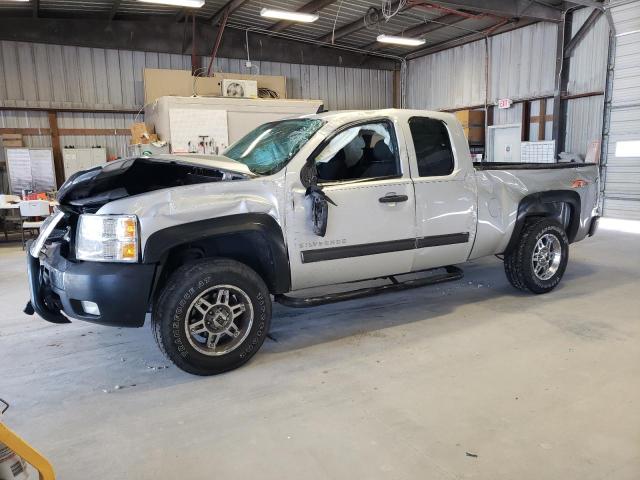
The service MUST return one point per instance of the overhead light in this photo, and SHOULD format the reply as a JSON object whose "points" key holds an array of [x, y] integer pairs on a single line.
{"points": [[288, 15], [177, 3], [412, 42]]}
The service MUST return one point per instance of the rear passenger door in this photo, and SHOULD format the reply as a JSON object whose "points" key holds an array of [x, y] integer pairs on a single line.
{"points": [[445, 194]]}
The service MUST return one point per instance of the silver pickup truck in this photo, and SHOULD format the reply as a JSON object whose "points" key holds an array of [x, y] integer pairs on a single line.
{"points": [[203, 244]]}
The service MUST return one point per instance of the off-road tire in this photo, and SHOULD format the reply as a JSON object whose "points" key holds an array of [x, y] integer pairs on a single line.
{"points": [[184, 285], [518, 262]]}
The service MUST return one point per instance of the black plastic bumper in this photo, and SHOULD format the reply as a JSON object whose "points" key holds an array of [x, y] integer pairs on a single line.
{"points": [[121, 291], [593, 227]]}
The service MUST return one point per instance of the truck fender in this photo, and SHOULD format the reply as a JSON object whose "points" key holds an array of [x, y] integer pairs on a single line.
{"points": [[547, 204], [261, 226]]}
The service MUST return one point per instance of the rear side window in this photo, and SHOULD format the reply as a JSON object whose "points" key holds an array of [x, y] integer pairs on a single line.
{"points": [[433, 147]]}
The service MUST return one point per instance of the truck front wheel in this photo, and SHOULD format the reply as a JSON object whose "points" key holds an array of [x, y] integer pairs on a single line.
{"points": [[212, 316], [539, 259]]}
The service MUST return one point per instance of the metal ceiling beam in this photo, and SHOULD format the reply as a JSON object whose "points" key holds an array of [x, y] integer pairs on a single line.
{"points": [[468, 38], [231, 5], [114, 9], [509, 9], [419, 30], [582, 32], [181, 15], [167, 37], [311, 7], [357, 25], [589, 3]]}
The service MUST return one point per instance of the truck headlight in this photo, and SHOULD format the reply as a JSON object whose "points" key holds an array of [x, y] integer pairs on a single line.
{"points": [[107, 238]]}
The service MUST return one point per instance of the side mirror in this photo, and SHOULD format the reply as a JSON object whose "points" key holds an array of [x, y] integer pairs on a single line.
{"points": [[309, 174], [319, 209]]}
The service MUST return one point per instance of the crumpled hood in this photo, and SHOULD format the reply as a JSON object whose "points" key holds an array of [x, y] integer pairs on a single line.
{"points": [[93, 188], [212, 161]]}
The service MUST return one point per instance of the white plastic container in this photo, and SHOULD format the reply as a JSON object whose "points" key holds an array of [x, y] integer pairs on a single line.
{"points": [[12, 467]]}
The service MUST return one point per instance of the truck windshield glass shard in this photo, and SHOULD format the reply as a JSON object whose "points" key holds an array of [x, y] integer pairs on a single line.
{"points": [[432, 145], [269, 147], [363, 151]]}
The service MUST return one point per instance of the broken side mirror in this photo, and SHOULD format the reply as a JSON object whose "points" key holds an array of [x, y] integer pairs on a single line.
{"points": [[319, 200]]}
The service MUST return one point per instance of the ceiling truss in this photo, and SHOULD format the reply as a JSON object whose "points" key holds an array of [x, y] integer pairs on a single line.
{"points": [[418, 18]]}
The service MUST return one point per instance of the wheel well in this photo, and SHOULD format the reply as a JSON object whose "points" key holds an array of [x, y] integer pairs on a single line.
{"points": [[254, 239], [562, 206], [249, 248], [561, 212]]}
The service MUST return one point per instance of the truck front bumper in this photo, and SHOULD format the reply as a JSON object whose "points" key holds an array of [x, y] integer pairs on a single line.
{"points": [[593, 227], [120, 291]]}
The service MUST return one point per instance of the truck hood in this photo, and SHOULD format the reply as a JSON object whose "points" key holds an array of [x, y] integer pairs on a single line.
{"points": [[90, 189], [212, 161]]}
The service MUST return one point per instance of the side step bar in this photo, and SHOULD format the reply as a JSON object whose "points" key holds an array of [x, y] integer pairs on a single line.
{"points": [[451, 273]]}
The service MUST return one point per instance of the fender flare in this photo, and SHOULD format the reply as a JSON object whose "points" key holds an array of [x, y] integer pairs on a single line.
{"points": [[160, 243], [543, 204]]}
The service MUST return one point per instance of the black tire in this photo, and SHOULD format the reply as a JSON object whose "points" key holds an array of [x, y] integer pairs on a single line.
{"points": [[518, 263], [189, 283]]}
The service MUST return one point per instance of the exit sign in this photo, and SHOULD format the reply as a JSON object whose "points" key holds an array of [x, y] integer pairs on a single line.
{"points": [[504, 103]]}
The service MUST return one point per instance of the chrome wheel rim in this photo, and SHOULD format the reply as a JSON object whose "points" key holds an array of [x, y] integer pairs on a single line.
{"points": [[547, 255], [219, 320]]}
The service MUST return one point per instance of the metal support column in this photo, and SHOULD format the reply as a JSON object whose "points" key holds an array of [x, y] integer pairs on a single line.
{"points": [[562, 81]]}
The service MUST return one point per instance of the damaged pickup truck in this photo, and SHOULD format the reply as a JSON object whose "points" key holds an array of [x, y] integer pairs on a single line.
{"points": [[205, 244]]}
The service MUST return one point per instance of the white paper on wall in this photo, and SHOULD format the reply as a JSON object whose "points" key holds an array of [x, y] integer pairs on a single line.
{"points": [[42, 170], [193, 127], [538, 152], [31, 169], [19, 168]]}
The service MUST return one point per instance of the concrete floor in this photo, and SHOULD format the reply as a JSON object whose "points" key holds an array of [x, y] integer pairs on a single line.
{"points": [[401, 385]]}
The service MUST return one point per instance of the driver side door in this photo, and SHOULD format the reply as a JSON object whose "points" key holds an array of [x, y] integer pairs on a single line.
{"points": [[370, 232]]}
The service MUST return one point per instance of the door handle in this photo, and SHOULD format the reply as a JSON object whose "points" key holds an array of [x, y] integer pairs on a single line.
{"points": [[393, 198]]}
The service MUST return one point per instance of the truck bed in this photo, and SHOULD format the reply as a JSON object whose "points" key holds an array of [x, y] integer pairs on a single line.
{"points": [[527, 166]]}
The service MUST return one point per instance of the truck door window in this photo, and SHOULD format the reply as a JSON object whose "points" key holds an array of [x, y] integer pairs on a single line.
{"points": [[433, 147], [363, 151]]}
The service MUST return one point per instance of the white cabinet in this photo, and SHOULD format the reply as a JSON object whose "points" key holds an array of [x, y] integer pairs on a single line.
{"points": [[77, 159], [209, 124]]}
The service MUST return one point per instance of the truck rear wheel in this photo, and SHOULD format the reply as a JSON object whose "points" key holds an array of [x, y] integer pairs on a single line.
{"points": [[212, 316], [539, 259]]}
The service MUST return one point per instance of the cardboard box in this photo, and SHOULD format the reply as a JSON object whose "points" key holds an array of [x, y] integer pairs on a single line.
{"points": [[140, 134], [474, 134], [470, 118], [12, 143], [160, 82], [11, 136]]}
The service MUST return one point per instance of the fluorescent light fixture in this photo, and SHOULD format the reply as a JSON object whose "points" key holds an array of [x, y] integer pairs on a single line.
{"points": [[288, 15], [178, 3], [411, 42]]}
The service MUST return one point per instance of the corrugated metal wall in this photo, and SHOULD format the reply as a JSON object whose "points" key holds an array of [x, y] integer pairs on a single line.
{"points": [[587, 73], [522, 65], [622, 173], [46, 76], [522, 62], [589, 59], [449, 79]]}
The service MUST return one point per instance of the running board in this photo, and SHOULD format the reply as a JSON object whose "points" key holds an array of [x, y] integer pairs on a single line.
{"points": [[452, 273]]}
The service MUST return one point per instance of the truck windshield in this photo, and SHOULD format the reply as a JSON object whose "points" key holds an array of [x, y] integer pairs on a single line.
{"points": [[269, 147]]}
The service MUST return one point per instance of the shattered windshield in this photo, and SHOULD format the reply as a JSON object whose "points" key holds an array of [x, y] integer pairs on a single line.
{"points": [[269, 147]]}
